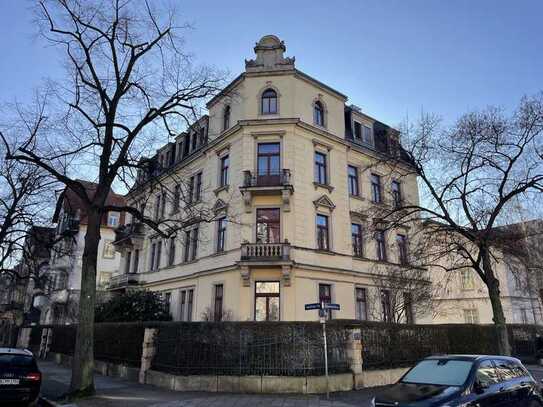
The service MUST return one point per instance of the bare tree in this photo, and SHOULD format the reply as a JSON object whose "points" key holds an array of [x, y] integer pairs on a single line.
{"points": [[470, 175], [127, 80]]}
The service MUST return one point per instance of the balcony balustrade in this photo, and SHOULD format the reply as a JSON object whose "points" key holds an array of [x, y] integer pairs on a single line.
{"points": [[129, 235], [268, 183], [121, 281], [265, 251]]}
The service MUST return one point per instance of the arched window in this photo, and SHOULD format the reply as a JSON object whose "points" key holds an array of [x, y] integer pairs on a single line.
{"points": [[269, 102], [226, 118], [318, 114]]}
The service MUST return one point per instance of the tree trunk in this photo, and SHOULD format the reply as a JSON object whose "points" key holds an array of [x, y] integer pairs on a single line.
{"points": [[493, 285], [83, 362]]}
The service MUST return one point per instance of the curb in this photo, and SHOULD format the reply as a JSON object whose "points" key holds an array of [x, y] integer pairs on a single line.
{"points": [[50, 403]]}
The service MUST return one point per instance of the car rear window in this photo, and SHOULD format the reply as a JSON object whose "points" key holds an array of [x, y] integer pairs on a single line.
{"points": [[444, 372], [13, 360]]}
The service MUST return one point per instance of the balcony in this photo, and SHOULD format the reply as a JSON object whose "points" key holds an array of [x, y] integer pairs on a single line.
{"points": [[123, 281], [254, 255], [130, 235], [270, 183]]}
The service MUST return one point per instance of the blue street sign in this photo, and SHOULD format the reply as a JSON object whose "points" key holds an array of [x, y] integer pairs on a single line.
{"points": [[332, 306], [315, 305]]}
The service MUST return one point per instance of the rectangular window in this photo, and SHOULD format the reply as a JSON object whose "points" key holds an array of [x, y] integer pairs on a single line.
{"points": [[357, 131], [186, 145], [376, 188], [323, 233], [218, 303], [380, 243], [190, 194], [268, 164], [471, 316], [320, 168], [194, 141], [194, 244], [408, 308], [401, 241], [523, 316], [163, 206], [325, 296], [167, 300], [396, 194], [198, 190], [221, 234], [225, 164], [152, 257], [135, 263], [267, 301], [186, 248], [356, 236], [171, 252], [182, 304], [158, 254], [190, 301], [113, 219], [176, 198], [352, 173], [127, 264], [468, 282], [157, 207], [386, 305], [361, 304], [268, 225], [367, 135]]}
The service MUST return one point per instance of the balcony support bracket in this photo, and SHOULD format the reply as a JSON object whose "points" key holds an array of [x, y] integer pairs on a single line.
{"points": [[286, 274], [245, 275]]}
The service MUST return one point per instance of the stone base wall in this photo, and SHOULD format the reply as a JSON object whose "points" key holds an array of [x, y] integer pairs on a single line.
{"points": [[244, 384]]}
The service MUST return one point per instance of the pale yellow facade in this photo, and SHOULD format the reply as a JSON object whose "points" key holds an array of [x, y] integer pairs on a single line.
{"points": [[302, 267]]}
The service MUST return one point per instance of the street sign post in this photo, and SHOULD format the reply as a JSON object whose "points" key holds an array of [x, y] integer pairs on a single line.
{"points": [[324, 309]]}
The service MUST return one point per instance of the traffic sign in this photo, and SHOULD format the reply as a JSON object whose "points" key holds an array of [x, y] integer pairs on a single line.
{"points": [[332, 306], [315, 305]]}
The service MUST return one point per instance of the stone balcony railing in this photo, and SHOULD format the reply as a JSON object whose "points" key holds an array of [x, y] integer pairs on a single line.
{"points": [[120, 281], [277, 178], [129, 234], [269, 183], [265, 251]]}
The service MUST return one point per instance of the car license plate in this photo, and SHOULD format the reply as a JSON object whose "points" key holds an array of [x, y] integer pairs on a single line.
{"points": [[8, 382]]}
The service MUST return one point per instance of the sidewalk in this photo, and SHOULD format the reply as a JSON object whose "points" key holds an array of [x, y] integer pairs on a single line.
{"points": [[117, 392]]}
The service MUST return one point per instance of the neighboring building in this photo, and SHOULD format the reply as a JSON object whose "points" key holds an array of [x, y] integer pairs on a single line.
{"points": [[59, 302], [287, 168], [19, 286], [461, 296]]}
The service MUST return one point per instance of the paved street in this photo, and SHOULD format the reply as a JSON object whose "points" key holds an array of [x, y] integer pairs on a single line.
{"points": [[117, 392]]}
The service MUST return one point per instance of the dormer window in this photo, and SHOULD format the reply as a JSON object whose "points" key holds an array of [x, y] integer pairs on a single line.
{"points": [[269, 102], [226, 118], [318, 114]]}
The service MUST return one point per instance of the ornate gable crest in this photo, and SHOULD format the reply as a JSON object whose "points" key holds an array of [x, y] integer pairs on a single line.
{"points": [[325, 202], [219, 206]]}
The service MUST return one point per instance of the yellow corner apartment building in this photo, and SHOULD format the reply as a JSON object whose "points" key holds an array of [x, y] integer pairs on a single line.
{"points": [[285, 169]]}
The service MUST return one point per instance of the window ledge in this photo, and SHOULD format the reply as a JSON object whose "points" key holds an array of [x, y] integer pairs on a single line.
{"points": [[324, 251], [358, 197], [361, 258], [216, 254], [221, 188], [328, 187]]}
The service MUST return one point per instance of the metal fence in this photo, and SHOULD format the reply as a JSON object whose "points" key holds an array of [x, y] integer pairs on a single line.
{"points": [[8, 333], [398, 345], [283, 349]]}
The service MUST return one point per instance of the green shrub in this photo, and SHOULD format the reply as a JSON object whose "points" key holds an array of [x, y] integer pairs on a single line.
{"points": [[133, 306]]}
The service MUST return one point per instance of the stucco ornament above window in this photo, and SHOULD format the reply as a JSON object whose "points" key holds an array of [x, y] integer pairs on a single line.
{"points": [[269, 56], [324, 202]]}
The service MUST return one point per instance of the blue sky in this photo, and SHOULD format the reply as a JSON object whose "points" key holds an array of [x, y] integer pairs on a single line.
{"points": [[392, 58]]}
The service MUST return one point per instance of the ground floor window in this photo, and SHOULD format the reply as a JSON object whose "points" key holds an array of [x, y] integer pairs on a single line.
{"points": [[361, 304], [386, 305], [267, 301], [186, 304], [325, 296], [218, 302], [408, 308]]}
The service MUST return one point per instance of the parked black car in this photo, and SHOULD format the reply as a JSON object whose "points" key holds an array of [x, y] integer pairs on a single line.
{"points": [[463, 381], [20, 378]]}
